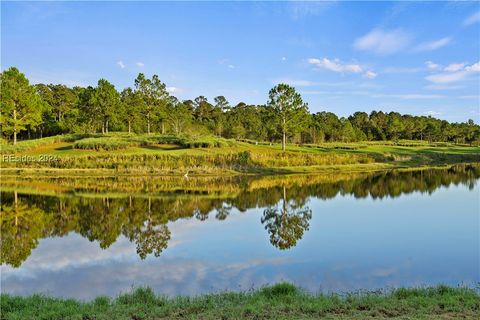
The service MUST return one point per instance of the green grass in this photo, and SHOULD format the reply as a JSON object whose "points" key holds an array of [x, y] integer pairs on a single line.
{"points": [[281, 301], [167, 154], [26, 145], [115, 141]]}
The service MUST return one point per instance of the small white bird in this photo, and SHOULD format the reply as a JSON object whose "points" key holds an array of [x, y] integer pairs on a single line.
{"points": [[186, 175]]}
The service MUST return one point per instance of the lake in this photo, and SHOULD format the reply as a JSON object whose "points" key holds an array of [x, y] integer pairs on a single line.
{"points": [[83, 237]]}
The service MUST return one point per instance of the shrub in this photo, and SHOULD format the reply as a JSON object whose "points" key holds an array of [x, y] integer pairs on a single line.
{"points": [[108, 143]]}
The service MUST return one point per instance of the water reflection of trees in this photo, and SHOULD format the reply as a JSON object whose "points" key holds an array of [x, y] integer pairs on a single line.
{"points": [[286, 222], [26, 218], [21, 227]]}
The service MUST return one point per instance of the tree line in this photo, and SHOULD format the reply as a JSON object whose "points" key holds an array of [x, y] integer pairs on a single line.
{"points": [[34, 111]]}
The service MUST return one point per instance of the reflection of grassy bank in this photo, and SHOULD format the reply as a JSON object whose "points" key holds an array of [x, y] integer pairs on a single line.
{"points": [[282, 301], [160, 156], [222, 186]]}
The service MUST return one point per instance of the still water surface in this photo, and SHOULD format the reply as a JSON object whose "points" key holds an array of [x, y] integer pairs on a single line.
{"points": [[82, 238]]}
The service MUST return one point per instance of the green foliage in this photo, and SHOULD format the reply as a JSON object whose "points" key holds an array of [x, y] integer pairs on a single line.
{"points": [[280, 290], [290, 113], [45, 110], [61, 114], [178, 116], [107, 101], [154, 99], [20, 107]]}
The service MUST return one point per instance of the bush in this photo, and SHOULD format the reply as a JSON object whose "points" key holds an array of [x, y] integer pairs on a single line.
{"points": [[107, 143]]}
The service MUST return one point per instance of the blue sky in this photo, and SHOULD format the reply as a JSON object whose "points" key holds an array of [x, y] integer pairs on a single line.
{"points": [[412, 57]]}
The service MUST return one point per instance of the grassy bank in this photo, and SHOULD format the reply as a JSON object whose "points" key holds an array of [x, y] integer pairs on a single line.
{"points": [[134, 154], [281, 301]]}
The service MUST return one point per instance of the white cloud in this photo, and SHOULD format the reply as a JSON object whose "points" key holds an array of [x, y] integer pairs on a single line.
{"points": [[433, 45], [454, 67], [474, 18], [121, 64], [473, 68], [335, 65], [300, 9], [419, 96], [308, 83], [172, 89], [408, 96], [140, 64], [432, 66], [226, 62], [370, 74], [456, 73], [432, 113], [284, 58], [447, 77], [442, 87], [383, 42]]}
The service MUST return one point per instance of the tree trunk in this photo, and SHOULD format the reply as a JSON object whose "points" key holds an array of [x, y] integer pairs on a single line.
{"points": [[163, 127], [14, 126], [106, 126], [176, 127], [148, 123], [284, 137], [103, 127], [129, 127], [16, 205]]}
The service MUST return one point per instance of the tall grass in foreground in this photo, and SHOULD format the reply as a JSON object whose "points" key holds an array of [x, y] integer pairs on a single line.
{"points": [[281, 301], [239, 161]]}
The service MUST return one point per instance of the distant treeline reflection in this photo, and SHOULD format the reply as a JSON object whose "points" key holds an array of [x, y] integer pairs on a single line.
{"points": [[27, 216]]}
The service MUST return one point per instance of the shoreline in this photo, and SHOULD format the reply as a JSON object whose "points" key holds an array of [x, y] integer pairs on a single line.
{"points": [[219, 172], [280, 301]]}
